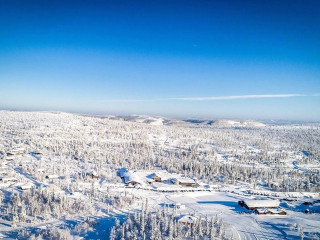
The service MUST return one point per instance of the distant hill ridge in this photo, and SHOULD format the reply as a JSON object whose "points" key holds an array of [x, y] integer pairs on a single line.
{"points": [[155, 120]]}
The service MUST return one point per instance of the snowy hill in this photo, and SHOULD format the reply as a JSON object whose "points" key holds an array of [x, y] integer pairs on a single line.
{"points": [[227, 123], [151, 120], [246, 123], [159, 121]]}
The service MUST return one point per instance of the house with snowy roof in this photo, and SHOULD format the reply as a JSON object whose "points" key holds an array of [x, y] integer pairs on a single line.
{"points": [[10, 158], [186, 182], [93, 174], [187, 220], [256, 204], [25, 186], [131, 178], [52, 176], [157, 177]]}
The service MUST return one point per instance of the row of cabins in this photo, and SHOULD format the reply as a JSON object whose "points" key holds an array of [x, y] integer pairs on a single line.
{"points": [[263, 207], [131, 178], [158, 177]]}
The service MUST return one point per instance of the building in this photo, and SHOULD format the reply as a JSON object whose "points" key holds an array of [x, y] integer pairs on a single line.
{"points": [[187, 220], [178, 206], [156, 177], [10, 158], [270, 211], [131, 178], [25, 186], [185, 182], [93, 174], [52, 176], [259, 204]]}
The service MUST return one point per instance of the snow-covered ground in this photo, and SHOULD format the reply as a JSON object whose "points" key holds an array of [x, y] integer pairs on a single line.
{"points": [[59, 174]]}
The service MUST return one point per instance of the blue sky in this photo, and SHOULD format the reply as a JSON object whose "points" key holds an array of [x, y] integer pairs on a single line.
{"points": [[185, 59]]}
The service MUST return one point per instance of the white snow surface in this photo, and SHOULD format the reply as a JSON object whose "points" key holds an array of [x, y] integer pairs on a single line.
{"points": [[71, 145]]}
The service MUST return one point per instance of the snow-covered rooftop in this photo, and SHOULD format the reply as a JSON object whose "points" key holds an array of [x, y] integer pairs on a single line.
{"points": [[187, 219], [186, 180], [131, 177], [262, 203], [52, 176]]}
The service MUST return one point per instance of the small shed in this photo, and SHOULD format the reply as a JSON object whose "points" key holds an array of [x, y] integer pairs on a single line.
{"points": [[178, 206], [156, 177], [93, 174], [10, 158], [25, 186], [52, 176]]}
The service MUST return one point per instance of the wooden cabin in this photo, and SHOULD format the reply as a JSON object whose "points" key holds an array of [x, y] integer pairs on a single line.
{"points": [[187, 220], [93, 175], [131, 178], [185, 182], [155, 177]]}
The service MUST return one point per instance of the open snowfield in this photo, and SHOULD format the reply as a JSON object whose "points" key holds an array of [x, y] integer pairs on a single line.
{"points": [[246, 225]]}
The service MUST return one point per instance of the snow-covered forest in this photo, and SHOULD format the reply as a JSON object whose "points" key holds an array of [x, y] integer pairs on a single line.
{"points": [[165, 225], [58, 166]]}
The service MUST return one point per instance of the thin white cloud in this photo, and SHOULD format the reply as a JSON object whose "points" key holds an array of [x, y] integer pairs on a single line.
{"points": [[125, 100], [213, 98], [239, 97]]}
